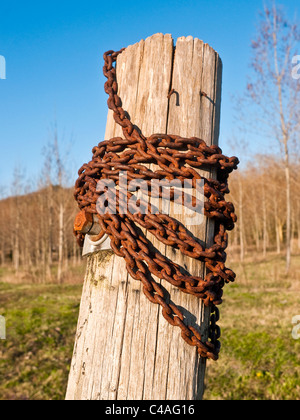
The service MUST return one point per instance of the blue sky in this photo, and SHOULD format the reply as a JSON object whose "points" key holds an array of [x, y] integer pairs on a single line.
{"points": [[54, 51]]}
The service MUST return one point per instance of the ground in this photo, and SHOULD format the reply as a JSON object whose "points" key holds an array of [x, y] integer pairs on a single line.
{"points": [[41, 325], [259, 357]]}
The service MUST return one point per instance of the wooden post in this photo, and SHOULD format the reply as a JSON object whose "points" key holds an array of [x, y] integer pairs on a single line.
{"points": [[124, 348]]}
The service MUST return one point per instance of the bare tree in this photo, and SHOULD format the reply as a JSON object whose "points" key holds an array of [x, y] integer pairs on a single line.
{"points": [[59, 196], [3, 242], [17, 189], [275, 93]]}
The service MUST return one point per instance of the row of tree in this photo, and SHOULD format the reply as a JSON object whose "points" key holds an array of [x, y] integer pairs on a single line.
{"points": [[259, 195], [36, 233], [36, 229]]}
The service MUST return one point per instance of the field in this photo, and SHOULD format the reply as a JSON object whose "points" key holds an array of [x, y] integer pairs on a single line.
{"points": [[259, 358]]}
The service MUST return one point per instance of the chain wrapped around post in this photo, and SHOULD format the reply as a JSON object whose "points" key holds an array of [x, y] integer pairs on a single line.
{"points": [[177, 158]]}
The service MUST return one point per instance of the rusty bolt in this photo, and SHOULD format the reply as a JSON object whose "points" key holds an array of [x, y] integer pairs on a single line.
{"points": [[83, 222]]}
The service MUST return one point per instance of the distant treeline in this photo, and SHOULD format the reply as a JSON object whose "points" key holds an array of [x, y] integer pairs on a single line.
{"points": [[36, 232], [260, 197], [36, 229]]}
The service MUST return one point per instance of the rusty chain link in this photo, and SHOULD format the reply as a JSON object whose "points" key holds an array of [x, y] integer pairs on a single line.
{"points": [[177, 158]]}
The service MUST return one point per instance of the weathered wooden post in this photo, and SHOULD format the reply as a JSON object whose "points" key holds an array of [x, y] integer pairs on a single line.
{"points": [[124, 349]]}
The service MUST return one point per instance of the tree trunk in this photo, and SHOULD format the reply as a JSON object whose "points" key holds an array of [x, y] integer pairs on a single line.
{"points": [[60, 243], [241, 220], [288, 210], [298, 223], [50, 222], [278, 248], [124, 349], [16, 248], [265, 230]]}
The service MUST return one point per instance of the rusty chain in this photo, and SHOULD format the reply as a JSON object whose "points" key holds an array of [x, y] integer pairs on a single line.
{"points": [[177, 158]]}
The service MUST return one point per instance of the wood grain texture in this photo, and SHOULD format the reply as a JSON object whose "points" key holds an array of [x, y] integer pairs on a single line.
{"points": [[124, 349]]}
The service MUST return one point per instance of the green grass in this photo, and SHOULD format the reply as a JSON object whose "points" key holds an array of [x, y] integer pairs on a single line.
{"points": [[259, 359], [41, 325]]}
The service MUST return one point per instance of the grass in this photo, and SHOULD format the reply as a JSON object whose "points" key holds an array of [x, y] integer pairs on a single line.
{"points": [[259, 359], [41, 325]]}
